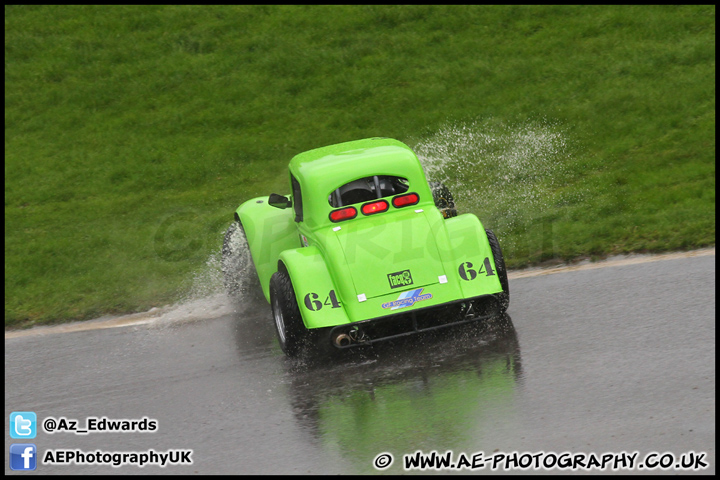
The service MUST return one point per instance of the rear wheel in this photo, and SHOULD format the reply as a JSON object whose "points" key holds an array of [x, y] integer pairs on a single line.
{"points": [[443, 199], [291, 331], [504, 296]]}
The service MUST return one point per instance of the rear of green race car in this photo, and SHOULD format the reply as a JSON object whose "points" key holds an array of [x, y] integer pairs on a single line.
{"points": [[389, 270], [361, 251]]}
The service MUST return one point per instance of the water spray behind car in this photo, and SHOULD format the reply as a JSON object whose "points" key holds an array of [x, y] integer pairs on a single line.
{"points": [[507, 173]]}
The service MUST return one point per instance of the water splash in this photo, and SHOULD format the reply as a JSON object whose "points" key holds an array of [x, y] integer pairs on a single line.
{"points": [[506, 174], [208, 279], [205, 298]]}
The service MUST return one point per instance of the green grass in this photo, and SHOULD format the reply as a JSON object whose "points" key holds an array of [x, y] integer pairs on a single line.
{"points": [[133, 132]]}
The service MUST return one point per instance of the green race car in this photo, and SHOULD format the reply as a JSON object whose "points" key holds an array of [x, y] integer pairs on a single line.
{"points": [[363, 249]]}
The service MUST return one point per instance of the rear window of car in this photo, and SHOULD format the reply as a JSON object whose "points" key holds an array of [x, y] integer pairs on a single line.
{"points": [[367, 189]]}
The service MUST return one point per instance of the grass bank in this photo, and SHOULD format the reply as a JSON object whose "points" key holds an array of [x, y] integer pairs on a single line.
{"points": [[132, 132]]}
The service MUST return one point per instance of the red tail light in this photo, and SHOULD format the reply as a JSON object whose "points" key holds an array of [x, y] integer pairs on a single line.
{"points": [[343, 214], [405, 200], [374, 207]]}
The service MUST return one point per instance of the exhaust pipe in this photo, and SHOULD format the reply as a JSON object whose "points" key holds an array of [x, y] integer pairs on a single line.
{"points": [[342, 340]]}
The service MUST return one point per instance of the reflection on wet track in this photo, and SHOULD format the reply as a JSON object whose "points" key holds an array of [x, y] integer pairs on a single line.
{"points": [[418, 393]]}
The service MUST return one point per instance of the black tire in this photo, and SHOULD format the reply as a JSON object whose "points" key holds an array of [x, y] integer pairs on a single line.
{"points": [[504, 297], [443, 199], [289, 326], [239, 274]]}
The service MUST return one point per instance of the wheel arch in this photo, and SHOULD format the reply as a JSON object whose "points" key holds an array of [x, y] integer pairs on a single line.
{"points": [[468, 247], [317, 295], [269, 231]]}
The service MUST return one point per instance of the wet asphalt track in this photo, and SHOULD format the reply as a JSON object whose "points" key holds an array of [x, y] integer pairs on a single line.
{"points": [[604, 360]]}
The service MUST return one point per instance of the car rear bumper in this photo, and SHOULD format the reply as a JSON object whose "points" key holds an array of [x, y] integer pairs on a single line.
{"points": [[367, 332]]}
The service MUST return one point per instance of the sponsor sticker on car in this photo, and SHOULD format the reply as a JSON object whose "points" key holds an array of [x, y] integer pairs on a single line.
{"points": [[407, 299], [400, 279]]}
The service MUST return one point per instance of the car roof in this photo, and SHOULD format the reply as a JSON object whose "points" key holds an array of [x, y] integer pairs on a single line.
{"points": [[324, 169]]}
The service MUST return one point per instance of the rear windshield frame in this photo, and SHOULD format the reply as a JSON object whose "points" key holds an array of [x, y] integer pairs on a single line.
{"points": [[367, 189]]}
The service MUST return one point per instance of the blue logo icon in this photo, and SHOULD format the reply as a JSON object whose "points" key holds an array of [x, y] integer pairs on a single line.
{"points": [[23, 456], [23, 424]]}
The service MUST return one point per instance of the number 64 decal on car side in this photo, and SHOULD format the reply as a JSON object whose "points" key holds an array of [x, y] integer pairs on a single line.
{"points": [[313, 303], [467, 272]]}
